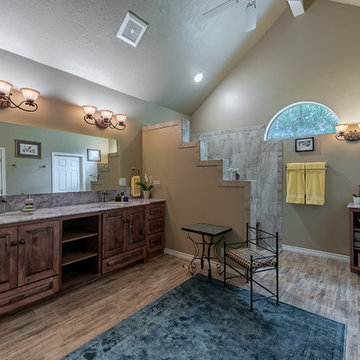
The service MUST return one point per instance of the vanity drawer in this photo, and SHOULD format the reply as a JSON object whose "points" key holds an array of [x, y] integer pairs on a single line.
{"points": [[118, 261], [155, 226], [156, 242], [27, 294], [154, 211]]}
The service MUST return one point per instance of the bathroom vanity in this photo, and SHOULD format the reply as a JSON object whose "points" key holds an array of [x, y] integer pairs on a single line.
{"points": [[56, 249]]}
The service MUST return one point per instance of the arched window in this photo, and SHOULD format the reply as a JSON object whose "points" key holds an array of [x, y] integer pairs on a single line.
{"points": [[302, 119]]}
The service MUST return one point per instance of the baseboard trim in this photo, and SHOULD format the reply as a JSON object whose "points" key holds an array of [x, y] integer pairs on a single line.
{"points": [[312, 252], [290, 248], [178, 254]]}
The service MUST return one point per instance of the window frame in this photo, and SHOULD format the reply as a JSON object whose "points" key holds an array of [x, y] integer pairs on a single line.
{"points": [[293, 105]]}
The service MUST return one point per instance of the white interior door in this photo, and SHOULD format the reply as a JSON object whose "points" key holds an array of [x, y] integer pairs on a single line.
{"points": [[2, 171], [67, 171]]}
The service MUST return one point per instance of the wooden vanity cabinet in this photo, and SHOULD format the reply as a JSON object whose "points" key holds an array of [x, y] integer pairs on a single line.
{"points": [[38, 256], [29, 263], [124, 239], [8, 258], [155, 228]]}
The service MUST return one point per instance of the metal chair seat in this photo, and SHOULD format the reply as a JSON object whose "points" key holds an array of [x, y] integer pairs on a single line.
{"points": [[243, 257]]}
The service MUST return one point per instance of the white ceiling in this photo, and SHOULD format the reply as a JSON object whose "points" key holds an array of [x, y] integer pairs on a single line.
{"points": [[79, 37]]}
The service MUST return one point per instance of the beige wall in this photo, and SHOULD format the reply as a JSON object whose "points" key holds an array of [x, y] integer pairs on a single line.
{"points": [[312, 57], [324, 228], [60, 103], [192, 193]]}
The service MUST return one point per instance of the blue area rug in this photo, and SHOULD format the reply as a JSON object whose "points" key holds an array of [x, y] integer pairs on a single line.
{"points": [[199, 320]]}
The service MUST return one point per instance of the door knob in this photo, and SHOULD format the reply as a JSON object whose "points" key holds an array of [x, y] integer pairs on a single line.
{"points": [[13, 243], [22, 242]]}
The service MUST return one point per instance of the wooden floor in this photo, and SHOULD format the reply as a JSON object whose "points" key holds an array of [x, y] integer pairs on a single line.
{"points": [[54, 328]]}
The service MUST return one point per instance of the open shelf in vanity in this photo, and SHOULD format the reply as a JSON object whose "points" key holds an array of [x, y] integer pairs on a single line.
{"points": [[80, 249], [355, 239]]}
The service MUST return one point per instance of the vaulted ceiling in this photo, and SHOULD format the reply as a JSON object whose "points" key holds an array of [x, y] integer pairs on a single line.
{"points": [[79, 37]]}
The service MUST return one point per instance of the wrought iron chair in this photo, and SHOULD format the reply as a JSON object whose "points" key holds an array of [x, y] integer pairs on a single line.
{"points": [[254, 261]]}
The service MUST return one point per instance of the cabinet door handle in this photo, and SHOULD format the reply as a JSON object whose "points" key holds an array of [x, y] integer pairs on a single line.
{"points": [[13, 243], [22, 242]]}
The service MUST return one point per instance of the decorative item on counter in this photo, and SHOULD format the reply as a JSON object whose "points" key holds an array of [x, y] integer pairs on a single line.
{"points": [[236, 172], [356, 198], [148, 184], [126, 199], [117, 198], [122, 196], [135, 189], [29, 205]]}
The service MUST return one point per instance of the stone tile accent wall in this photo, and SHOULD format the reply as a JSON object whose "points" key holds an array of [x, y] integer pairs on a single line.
{"points": [[16, 202], [258, 160]]}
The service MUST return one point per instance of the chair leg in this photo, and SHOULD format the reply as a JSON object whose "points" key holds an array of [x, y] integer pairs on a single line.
{"points": [[277, 285], [251, 283]]}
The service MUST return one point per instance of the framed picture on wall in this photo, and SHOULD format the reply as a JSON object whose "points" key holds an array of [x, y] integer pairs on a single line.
{"points": [[93, 155], [304, 144], [27, 149]]}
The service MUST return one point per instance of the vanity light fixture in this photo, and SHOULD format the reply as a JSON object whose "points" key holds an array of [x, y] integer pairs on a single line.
{"points": [[342, 135], [30, 96], [105, 121]]}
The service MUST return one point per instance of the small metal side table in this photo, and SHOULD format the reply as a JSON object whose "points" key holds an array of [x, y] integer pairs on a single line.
{"points": [[211, 236]]}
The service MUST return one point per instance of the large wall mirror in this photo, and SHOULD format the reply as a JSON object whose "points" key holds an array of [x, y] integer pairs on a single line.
{"points": [[34, 160]]}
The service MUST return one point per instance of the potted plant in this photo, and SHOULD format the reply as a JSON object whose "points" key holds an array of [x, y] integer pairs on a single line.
{"points": [[236, 171], [356, 198], [148, 184]]}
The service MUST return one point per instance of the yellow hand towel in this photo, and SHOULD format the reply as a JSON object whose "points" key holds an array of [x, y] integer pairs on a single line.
{"points": [[295, 183], [135, 189], [315, 183]]}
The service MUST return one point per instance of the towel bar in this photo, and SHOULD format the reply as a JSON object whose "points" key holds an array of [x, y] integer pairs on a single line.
{"points": [[285, 167]]}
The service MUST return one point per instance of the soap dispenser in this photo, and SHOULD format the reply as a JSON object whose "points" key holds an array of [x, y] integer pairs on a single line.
{"points": [[118, 198]]}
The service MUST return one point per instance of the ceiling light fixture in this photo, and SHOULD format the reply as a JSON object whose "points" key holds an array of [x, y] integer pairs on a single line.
{"points": [[105, 120], [342, 135], [198, 77], [30, 96]]}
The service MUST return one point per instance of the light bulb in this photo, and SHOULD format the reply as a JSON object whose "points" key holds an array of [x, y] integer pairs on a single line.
{"points": [[106, 114], [5, 87], [30, 94], [89, 110], [121, 118], [341, 127]]}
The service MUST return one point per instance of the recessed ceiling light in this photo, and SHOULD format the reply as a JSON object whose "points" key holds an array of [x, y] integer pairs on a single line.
{"points": [[198, 77]]}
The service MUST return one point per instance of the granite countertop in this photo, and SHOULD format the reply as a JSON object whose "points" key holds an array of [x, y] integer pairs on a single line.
{"points": [[47, 213]]}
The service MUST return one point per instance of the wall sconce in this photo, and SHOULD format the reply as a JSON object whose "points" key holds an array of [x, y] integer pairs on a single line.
{"points": [[30, 96], [105, 120], [342, 135]]}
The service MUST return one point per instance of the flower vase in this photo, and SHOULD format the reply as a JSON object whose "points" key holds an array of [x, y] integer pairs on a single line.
{"points": [[146, 195], [356, 200], [237, 176]]}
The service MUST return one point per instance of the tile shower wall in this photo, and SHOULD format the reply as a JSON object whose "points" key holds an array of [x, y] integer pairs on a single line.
{"points": [[257, 160], [16, 202]]}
